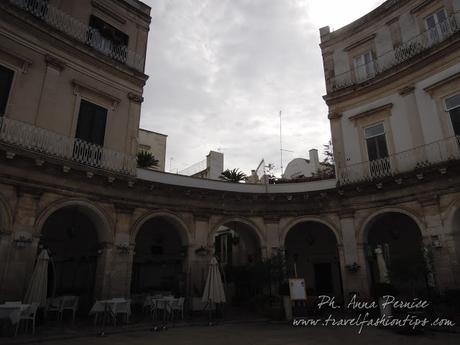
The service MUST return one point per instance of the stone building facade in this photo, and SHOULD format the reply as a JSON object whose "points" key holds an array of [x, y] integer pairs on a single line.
{"points": [[112, 223]]}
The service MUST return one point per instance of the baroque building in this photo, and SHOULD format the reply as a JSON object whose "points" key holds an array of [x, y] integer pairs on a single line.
{"points": [[70, 97]]}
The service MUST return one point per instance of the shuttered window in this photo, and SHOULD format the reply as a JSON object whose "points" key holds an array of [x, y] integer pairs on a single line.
{"points": [[91, 123], [6, 79]]}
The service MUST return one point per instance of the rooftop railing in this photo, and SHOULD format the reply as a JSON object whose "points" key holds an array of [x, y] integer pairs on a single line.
{"points": [[411, 48], [42, 141], [194, 168], [418, 158], [81, 32]]}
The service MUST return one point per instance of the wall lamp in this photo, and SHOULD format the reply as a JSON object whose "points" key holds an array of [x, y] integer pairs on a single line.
{"points": [[22, 241]]}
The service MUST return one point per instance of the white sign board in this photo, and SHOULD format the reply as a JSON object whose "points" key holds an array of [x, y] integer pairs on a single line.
{"points": [[297, 289]]}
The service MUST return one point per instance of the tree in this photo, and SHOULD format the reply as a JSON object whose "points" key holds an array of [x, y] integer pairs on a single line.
{"points": [[234, 175], [146, 160], [328, 162]]}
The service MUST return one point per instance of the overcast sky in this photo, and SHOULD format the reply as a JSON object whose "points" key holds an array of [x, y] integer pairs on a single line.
{"points": [[221, 70]]}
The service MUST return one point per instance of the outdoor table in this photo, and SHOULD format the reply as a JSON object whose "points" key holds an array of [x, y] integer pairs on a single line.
{"points": [[106, 307], [12, 312]]}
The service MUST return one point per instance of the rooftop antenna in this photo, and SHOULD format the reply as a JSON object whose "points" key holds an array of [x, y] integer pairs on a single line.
{"points": [[281, 146]]}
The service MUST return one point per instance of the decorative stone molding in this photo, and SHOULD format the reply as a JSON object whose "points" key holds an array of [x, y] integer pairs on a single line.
{"points": [[135, 98], [271, 219], [347, 213], [421, 6], [370, 112], [106, 10], [360, 42], [333, 116], [433, 87], [54, 62], [20, 62], [78, 86], [406, 90]]}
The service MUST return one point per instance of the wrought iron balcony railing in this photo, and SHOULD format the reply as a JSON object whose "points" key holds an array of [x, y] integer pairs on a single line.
{"points": [[402, 53], [81, 32], [420, 157], [42, 141]]}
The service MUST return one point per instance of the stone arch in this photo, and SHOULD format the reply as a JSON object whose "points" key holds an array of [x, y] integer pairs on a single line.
{"points": [[5, 216], [298, 220], [255, 229], [364, 228], [452, 216], [176, 220], [104, 226]]}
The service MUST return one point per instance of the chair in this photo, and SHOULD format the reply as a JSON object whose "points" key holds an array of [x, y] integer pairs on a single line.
{"points": [[177, 307], [53, 305], [13, 303], [163, 305], [28, 315], [123, 307], [69, 303]]}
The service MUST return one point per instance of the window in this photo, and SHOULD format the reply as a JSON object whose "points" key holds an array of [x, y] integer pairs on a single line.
{"points": [[364, 66], [91, 123], [6, 79], [453, 107], [437, 25], [376, 142], [108, 39], [90, 129]]}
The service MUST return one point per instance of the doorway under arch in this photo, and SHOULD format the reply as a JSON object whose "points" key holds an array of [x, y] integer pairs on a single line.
{"points": [[71, 237], [237, 247], [400, 240], [312, 254], [159, 258]]}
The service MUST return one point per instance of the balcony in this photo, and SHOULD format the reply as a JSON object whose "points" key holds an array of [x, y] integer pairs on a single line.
{"points": [[41, 141], [83, 33], [425, 156], [404, 52]]}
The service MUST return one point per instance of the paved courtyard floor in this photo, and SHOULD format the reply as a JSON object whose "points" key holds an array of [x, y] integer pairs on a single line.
{"points": [[263, 334]]}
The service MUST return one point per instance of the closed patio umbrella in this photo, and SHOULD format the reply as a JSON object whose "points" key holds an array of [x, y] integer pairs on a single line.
{"points": [[38, 284], [214, 289], [382, 266]]}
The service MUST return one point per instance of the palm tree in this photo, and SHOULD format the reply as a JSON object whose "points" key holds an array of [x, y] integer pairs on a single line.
{"points": [[146, 160], [234, 175]]}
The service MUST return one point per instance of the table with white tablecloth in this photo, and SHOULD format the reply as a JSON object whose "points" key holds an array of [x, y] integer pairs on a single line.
{"points": [[12, 312]]}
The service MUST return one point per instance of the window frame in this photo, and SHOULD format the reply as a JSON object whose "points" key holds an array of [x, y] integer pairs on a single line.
{"points": [[10, 91], [366, 138]]}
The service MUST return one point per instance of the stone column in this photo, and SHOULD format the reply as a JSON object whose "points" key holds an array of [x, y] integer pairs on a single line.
{"points": [[352, 264], [123, 253], [23, 246], [413, 117], [103, 284], [199, 255], [273, 235], [436, 238]]}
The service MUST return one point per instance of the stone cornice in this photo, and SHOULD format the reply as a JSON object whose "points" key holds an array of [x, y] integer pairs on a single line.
{"points": [[54, 62], [108, 11], [78, 85], [359, 42], [433, 87], [135, 98], [373, 111]]}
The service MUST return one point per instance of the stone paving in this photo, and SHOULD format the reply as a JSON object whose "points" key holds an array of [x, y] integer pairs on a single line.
{"points": [[262, 333]]}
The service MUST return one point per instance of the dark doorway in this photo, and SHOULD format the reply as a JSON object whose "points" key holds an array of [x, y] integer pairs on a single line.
{"points": [[323, 279], [71, 239], [158, 260]]}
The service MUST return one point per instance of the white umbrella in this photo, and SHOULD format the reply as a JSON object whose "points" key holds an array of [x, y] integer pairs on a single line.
{"points": [[382, 266], [38, 285], [214, 289]]}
